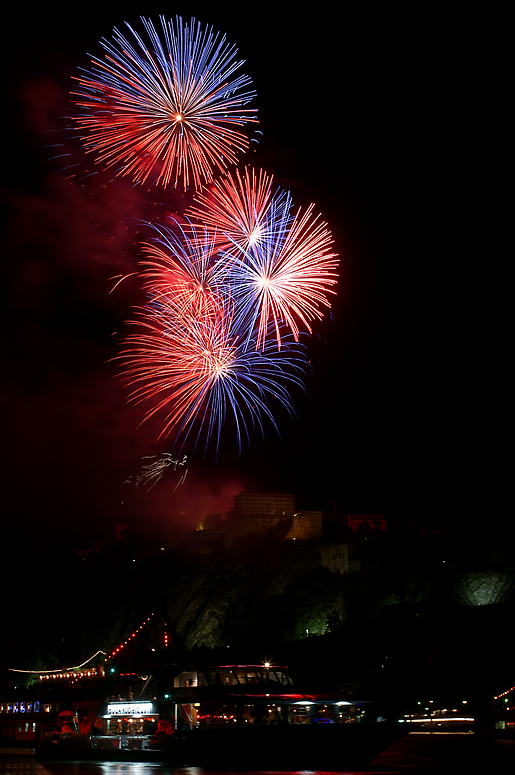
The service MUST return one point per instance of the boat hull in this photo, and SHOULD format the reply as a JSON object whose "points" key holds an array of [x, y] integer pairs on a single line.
{"points": [[295, 746]]}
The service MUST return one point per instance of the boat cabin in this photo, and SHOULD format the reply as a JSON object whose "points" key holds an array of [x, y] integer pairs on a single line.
{"points": [[253, 694], [126, 725]]}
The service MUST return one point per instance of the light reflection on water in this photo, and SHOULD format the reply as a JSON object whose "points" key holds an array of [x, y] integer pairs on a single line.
{"points": [[413, 754], [25, 763]]}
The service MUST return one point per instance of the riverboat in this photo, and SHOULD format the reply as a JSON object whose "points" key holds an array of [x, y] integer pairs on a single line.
{"points": [[243, 716]]}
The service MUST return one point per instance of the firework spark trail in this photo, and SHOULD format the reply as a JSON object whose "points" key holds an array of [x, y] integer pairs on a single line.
{"points": [[169, 110], [181, 480], [153, 472], [241, 211], [120, 278]]}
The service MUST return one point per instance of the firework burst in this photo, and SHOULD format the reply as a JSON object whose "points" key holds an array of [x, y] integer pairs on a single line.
{"points": [[284, 282], [234, 281], [198, 370], [242, 211], [219, 335], [167, 109], [178, 269]]}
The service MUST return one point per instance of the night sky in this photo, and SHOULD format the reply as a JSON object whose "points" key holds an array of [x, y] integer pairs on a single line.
{"points": [[377, 117]]}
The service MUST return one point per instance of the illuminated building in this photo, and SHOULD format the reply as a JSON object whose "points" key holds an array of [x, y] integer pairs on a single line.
{"points": [[305, 525], [337, 557]]}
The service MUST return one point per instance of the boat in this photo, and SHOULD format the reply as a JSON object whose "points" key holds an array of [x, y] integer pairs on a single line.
{"points": [[237, 715]]}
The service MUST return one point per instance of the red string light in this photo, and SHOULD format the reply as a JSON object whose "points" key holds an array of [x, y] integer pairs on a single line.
{"points": [[131, 637], [504, 693]]}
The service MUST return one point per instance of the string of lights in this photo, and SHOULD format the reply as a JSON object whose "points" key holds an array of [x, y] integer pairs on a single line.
{"points": [[68, 672], [117, 650], [503, 694], [60, 669]]}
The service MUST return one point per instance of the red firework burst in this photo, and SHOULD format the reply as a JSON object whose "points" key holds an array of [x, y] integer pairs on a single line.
{"points": [[168, 110], [240, 212]]}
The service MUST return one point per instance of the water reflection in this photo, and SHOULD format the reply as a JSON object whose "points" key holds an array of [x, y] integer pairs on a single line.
{"points": [[27, 764], [445, 754]]}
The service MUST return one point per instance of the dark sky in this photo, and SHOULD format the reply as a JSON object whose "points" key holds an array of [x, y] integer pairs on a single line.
{"points": [[377, 116]]}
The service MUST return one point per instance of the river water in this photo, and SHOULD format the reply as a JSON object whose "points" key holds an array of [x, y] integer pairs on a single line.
{"points": [[412, 755]]}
